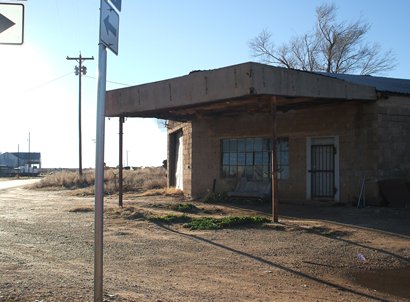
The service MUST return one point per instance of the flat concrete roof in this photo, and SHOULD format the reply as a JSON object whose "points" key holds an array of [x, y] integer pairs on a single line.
{"points": [[247, 87], [381, 84]]}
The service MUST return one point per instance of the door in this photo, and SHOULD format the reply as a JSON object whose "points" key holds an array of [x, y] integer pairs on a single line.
{"points": [[323, 168], [179, 161], [322, 171]]}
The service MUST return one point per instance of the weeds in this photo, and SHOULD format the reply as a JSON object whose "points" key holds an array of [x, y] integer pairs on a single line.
{"points": [[164, 191], [191, 222], [67, 180], [133, 180], [185, 208], [208, 223]]}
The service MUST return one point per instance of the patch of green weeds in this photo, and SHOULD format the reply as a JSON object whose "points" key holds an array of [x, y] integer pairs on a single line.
{"points": [[208, 223], [185, 208]]}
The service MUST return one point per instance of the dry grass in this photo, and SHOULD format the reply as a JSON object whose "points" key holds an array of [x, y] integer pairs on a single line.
{"points": [[133, 181], [81, 210], [66, 180], [163, 191]]}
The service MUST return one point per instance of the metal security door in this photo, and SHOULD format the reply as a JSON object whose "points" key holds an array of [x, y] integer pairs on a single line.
{"points": [[323, 171]]}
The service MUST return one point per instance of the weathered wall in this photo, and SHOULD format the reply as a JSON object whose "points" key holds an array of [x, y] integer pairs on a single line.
{"points": [[351, 122], [8, 159], [186, 129], [393, 122], [373, 139]]}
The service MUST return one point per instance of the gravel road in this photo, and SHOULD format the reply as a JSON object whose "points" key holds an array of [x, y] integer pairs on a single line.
{"points": [[12, 183], [46, 254]]}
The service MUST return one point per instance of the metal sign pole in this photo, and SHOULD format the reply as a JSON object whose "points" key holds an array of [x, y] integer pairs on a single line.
{"points": [[99, 176], [109, 28]]}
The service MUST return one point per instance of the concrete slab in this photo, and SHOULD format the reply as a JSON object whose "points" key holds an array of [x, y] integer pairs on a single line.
{"points": [[233, 84]]}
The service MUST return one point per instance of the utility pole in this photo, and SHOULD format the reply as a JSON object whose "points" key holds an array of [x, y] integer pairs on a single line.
{"points": [[80, 70]]}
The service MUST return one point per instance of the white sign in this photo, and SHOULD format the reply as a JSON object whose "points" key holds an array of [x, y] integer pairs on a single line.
{"points": [[109, 26], [11, 23]]}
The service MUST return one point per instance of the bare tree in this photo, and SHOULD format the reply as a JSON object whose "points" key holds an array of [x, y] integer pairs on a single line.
{"points": [[335, 47]]}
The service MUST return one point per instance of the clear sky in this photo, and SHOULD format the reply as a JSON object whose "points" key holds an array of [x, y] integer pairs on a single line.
{"points": [[158, 40]]}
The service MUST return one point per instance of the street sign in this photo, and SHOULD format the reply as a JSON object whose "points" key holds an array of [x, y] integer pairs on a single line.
{"points": [[109, 26], [117, 4], [11, 23]]}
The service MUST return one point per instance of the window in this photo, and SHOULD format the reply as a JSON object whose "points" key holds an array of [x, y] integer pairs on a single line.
{"points": [[251, 157]]}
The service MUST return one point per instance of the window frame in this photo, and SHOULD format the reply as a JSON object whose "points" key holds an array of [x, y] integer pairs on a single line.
{"points": [[253, 158]]}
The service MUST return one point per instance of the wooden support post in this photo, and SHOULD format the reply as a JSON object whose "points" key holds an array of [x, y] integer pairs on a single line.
{"points": [[274, 164], [120, 182]]}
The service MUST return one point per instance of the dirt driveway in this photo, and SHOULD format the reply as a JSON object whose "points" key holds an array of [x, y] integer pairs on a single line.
{"points": [[313, 254]]}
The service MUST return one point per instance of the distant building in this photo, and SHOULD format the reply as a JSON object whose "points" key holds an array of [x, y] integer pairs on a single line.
{"points": [[18, 159]]}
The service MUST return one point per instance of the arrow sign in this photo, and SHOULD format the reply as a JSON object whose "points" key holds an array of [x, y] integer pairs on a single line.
{"points": [[5, 23], [109, 25], [117, 4], [11, 23]]}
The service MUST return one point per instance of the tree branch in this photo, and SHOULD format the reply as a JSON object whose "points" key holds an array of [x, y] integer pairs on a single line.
{"points": [[336, 47]]}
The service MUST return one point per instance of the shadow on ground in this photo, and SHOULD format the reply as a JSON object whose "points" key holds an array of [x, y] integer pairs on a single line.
{"points": [[391, 220]]}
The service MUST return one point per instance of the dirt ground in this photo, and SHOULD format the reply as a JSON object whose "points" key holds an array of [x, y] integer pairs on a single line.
{"points": [[315, 253]]}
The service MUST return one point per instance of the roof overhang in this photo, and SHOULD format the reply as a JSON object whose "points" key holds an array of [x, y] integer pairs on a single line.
{"points": [[245, 87]]}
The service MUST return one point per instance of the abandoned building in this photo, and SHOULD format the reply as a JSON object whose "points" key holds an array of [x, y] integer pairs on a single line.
{"points": [[333, 134], [16, 159]]}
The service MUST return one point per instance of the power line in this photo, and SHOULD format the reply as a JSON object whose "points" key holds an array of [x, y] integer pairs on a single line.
{"points": [[65, 75], [112, 82], [48, 82]]}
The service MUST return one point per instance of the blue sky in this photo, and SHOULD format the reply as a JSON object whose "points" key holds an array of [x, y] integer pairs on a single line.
{"points": [[158, 40]]}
